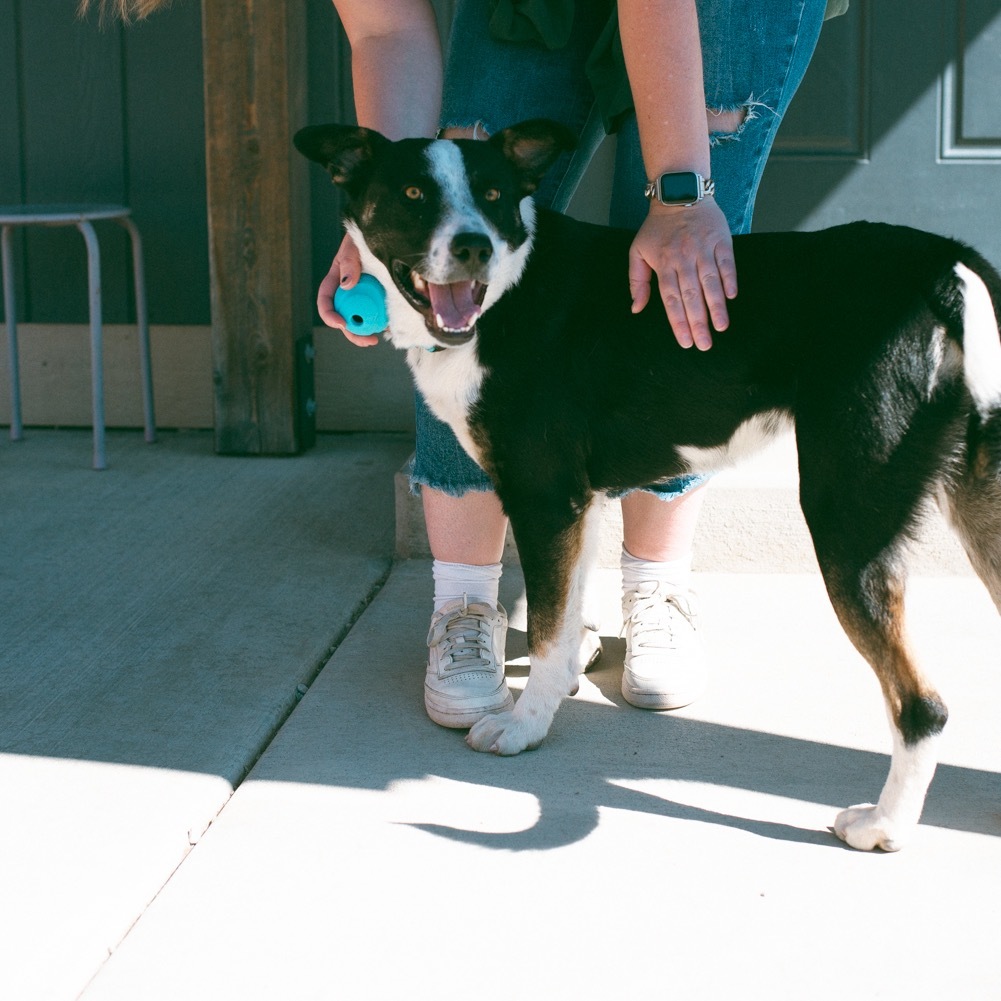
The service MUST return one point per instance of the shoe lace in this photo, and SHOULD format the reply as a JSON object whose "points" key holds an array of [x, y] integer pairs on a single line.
{"points": [[653, 613], [465, 637]]}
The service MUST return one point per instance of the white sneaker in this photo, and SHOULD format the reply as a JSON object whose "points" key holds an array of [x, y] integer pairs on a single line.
{"points": [[465, 671], [665, 665]]}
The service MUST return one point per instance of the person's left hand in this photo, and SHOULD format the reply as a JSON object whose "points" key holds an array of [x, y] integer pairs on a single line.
{"points": [[690, 250]]}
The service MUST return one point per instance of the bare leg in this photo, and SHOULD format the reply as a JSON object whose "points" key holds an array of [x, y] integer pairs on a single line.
{"points": [[468, 529], [654, 529]]}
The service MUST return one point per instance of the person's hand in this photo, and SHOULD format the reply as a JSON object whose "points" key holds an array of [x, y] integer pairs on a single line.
{"points": [[690, 251], [344, 273]]}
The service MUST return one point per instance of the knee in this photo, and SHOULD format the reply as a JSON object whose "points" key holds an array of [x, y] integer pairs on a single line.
{"points": [[725, 122], [475, 131]]}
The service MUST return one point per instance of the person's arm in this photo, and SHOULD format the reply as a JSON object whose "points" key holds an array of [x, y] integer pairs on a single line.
{"points": [[396, 65], [396, 69], [689, 249]]}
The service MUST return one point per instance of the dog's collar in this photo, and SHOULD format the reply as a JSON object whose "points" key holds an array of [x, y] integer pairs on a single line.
{"points": [[436, 347]]}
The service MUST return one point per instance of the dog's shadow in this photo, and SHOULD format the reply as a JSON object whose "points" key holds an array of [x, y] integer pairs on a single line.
{"points": [[601, 754], [573, 781]]}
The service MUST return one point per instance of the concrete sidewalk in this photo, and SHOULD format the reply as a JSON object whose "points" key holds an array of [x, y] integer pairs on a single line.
{"points": [[368, 854], [371, 855], [156, 621]]}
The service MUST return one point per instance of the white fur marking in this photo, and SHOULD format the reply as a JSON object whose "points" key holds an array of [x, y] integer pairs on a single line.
{"points": [[981, 343], [750, 437], [554, 670], [460, 213], [890, 822], [510, 265]]}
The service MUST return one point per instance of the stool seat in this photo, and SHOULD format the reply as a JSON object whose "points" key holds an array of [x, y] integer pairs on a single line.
{"points": [[81, 216], [58, 214]]}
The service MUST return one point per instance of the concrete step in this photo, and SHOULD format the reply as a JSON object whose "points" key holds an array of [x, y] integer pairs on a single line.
{"points": [[751, 522]]}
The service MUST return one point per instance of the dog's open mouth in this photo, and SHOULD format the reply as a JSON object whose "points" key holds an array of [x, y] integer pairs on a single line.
{"points": [[450, 311]]}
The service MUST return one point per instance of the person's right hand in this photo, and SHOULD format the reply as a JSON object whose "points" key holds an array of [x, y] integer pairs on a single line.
{"points": [[344, 273]]}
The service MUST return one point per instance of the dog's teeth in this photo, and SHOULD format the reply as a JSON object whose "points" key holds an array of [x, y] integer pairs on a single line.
{"points": [[419, 284]]}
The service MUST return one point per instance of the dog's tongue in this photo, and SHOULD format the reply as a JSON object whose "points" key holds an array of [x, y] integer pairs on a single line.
{"points": [[453, 305]]}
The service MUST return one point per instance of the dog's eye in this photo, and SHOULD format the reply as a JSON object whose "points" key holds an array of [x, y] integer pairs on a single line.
{"points": [[492, 194], [413, 193]]}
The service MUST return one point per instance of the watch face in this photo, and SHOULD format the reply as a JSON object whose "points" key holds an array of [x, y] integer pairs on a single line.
{"points": [[679, 189]]}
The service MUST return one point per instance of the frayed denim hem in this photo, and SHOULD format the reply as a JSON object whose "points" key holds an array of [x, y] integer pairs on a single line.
{"points": [[453, 488], [669, 490]]}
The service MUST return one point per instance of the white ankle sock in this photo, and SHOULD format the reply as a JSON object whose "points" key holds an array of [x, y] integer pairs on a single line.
{"points": [[477, 583], [635, 571]]}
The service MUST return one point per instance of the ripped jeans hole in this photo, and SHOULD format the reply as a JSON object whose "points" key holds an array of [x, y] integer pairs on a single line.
{"points": [[723, 122], [726, 124]]}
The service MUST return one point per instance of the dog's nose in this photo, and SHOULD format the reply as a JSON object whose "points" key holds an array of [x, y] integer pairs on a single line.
{"points": [[472, 248]]}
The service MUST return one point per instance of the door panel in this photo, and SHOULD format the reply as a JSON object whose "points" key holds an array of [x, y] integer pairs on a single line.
{"points": [[898, 120]]}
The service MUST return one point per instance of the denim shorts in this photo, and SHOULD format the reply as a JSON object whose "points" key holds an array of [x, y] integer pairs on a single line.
{"points": [[754, 55]]}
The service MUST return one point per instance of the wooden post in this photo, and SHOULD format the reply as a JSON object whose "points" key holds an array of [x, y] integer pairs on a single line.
{"points": [[258, 213]]}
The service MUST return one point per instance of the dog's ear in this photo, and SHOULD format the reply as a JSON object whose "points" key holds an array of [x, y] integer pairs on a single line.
{"points": [[533, 147], [346, 151]]}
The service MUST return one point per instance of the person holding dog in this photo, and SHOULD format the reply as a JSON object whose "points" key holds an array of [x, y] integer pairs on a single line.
{"points": [[695, 90]]}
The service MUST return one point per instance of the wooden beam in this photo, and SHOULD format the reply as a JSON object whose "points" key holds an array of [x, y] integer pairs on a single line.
{"points": [[255, 98]]}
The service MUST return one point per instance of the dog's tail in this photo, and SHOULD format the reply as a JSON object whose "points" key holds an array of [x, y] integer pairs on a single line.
{"points": [[974, 492], [981, 337]]}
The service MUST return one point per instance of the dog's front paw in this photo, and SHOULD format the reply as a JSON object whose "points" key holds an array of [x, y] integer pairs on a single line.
{"points": [[504, 733], [866, 827]]}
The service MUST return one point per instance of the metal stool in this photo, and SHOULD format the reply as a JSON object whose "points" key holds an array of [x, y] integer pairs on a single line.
{"points": [[80, 216]]}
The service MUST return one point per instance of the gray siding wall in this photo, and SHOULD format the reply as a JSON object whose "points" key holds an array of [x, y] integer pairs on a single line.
{"points": [[112, 115], [116, 114]]}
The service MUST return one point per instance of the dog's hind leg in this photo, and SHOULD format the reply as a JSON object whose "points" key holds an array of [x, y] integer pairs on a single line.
{"points": [[553, 547], [868, 596], [870, 605]]}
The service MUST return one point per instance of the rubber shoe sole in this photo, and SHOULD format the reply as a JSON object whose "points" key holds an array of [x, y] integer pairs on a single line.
{"points": [[446, 713]]}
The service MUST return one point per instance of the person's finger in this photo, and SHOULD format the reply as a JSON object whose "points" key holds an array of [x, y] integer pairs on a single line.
{"points": [[674, 305], [727, 269], [694, 302], [325, 297], [715, 298], [345, 271], [333, 279], [640, 276]]}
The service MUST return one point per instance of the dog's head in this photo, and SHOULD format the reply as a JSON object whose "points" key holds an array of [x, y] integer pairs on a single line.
{"points": [[445, 225]]}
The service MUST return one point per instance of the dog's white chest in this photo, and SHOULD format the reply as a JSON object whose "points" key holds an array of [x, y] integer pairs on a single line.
{"points": [[450, 382]]}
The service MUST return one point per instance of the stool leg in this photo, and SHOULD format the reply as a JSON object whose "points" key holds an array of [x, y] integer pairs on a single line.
{"points": [[96, 340], [10, 308], [145, 364]]}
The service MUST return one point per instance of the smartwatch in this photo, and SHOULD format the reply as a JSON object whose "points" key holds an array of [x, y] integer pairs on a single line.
{"points": [[681, 188]]}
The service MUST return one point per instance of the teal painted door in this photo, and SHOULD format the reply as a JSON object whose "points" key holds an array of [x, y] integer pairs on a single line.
{"points": [[898, 120]]}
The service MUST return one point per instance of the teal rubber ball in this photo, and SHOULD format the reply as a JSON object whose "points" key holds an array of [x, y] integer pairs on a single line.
{"points": [[363, 307]]}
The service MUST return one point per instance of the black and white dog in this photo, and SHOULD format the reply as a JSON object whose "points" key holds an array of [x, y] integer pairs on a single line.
{"points": [[879, 345]]}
